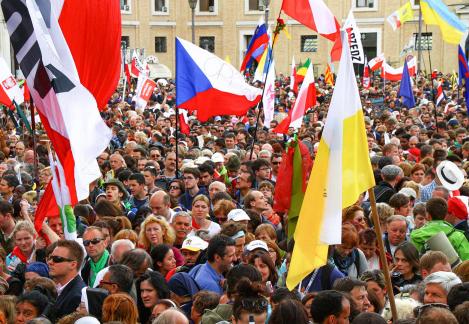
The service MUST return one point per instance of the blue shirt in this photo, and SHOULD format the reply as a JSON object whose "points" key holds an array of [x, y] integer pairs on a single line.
{"points": [[426, 191], [207, 278], [186, 199]]}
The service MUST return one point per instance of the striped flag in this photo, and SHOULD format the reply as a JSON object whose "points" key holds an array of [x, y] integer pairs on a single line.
{"points": [[328, 76], [366, 75], [440, 94], [341, 172]]}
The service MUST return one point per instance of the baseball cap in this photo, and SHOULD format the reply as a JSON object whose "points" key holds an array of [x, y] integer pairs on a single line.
{"points": [[217, 157], [257, 244], [238, 215], [194, 243]]}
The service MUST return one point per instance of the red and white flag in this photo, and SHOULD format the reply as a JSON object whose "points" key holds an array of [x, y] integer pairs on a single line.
{"points": [[137, 67], [316, 15], [306, 99], [183, 122], [354, 39], [9, 88], [377, 62], [395, 74], [293, 84], [145, 88], [366, 76], [440, 95], [68, 110]]}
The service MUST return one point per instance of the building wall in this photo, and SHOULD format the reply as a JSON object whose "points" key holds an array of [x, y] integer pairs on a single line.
{"points": [[231, 20]]}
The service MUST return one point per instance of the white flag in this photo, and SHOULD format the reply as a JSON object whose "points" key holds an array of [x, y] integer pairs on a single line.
{"points": [[9, 89], [268, 101], [355, 41]]}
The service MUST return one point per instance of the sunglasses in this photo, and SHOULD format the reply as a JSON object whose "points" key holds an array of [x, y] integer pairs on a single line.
{"points": [[420, 309], [276, 163], [174, 187], [58, 259], [93, 241]]}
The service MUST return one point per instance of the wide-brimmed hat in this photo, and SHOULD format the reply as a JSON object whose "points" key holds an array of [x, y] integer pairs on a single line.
{"points": [[450, 176], [118, 184]]}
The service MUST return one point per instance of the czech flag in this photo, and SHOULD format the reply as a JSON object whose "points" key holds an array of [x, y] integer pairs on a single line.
{"points": [[257, 46], [209, 85]]}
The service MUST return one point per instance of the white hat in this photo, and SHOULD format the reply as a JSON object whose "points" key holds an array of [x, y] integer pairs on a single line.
{"points": [[162, 82], [450, 175], [217, 157], [87, 320], [194, 243], [238, 215], [257, 244], [201, 160], [409, 192]]}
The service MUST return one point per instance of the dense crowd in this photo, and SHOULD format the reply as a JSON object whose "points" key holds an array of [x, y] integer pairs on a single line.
{"points": [[192, 236]]}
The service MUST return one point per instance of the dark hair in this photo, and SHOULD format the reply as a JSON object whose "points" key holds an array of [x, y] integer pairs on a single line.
{"points": [[12, 181], [205, 299], [75, 251], [158, 253], [267, 260], [289, 311], [35, 298], [135, 258], [6, 208], [151, 169], [158, 282], [259, 163], [326, 303], [137, 177], [346, 284], [369, 318], [410, 253], [217, 246], [194, 171], [367, 236], [237, 273], [437, 208], [458, 295], [122, 276], [249, 298], [107, 208], [205, 167], [282, 294]]}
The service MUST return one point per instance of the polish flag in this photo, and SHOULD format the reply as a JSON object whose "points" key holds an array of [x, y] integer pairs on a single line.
{"points": [[9, 88], [377, 62], [440, 95], [366, 76], [137, 67], [395, 74]]}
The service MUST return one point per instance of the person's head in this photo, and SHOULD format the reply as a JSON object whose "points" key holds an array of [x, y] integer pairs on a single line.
{"points": [[161, 306], [406, 259], [265, 232], [171, 316], [433, 261], [119, 247], [151, 287], [355, 215], [434, 314], [191, 178], [182, 225], [367, 242], [116, 161], [420, 215], [263, 262], [375, 281], [163, 258], [417, 173], [391, 173], [119, 307], [221, 252], [215, 187], [24, 235], [115, 191], [8, 183], [436, 208], [136, 185], [176, 188], [6, 213], [349, 240], [237, 231], [458, 295], [8, 309], [118, 279], [206, 174], [255, 200], [330, 306], [200, 207], [36, 270], [160, 203], [249, 305], [396, 228], [155, 230], [462, 312], [30, 305], [356, 289], [221, 209], [289, 311], [235, 274], [94, 242], [138, 260], [65, 261], [203, 300], [438, 285], [245, 181], [400, 203]]}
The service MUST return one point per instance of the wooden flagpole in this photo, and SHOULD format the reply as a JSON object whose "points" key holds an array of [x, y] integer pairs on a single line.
{"points": [[382, 255]]}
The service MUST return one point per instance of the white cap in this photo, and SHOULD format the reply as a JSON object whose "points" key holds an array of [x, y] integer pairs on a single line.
{"points": [[194, 243], [201, 160], [409, 192], [238, 215], [217, 157], [257, 244], [87, 320]]}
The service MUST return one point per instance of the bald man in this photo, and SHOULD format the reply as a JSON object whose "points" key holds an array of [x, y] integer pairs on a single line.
{"points": [[160, 205]]}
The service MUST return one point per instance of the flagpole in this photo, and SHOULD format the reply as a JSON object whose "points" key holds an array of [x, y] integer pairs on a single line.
{"points": [[123, 69], [269, 61], [33, 128], [419, 42], [382, 256], [177, 143]]}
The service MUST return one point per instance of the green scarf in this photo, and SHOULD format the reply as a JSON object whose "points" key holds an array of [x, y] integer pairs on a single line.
{"points": [[98, 266]]}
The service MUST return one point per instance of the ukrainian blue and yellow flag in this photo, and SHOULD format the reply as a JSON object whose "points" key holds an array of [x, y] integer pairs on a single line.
{"points": [[435, 12]]}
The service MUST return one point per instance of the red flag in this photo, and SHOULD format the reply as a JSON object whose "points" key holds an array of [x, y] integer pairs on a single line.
{"points": [[366, 76], [183, 126], [4, 98], [284, 125], [47, 207], [26, 94], [127, 74]]}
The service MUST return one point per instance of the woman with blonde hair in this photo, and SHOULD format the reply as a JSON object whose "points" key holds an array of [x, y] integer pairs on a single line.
{"points": [[24, 251], [156, 230], [127, 234], [7, 309], [384, 212], [200, 217]]}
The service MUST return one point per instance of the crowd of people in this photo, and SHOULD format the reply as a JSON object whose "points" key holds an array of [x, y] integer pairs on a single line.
{"points": [[193, 237]]}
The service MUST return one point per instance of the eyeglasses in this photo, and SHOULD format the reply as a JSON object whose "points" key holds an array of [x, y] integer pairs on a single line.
{"points": [[276, 163], [255, 304], [58, 259], [93, 241], [102, 282], [420, 309], [264, 169], [174, 187]]}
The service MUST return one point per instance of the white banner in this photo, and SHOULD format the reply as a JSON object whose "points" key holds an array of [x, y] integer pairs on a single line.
{"points": [[355, 41]]}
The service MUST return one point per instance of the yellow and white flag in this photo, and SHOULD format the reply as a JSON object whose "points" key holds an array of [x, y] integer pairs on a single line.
{"points": [[341, 172]]}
